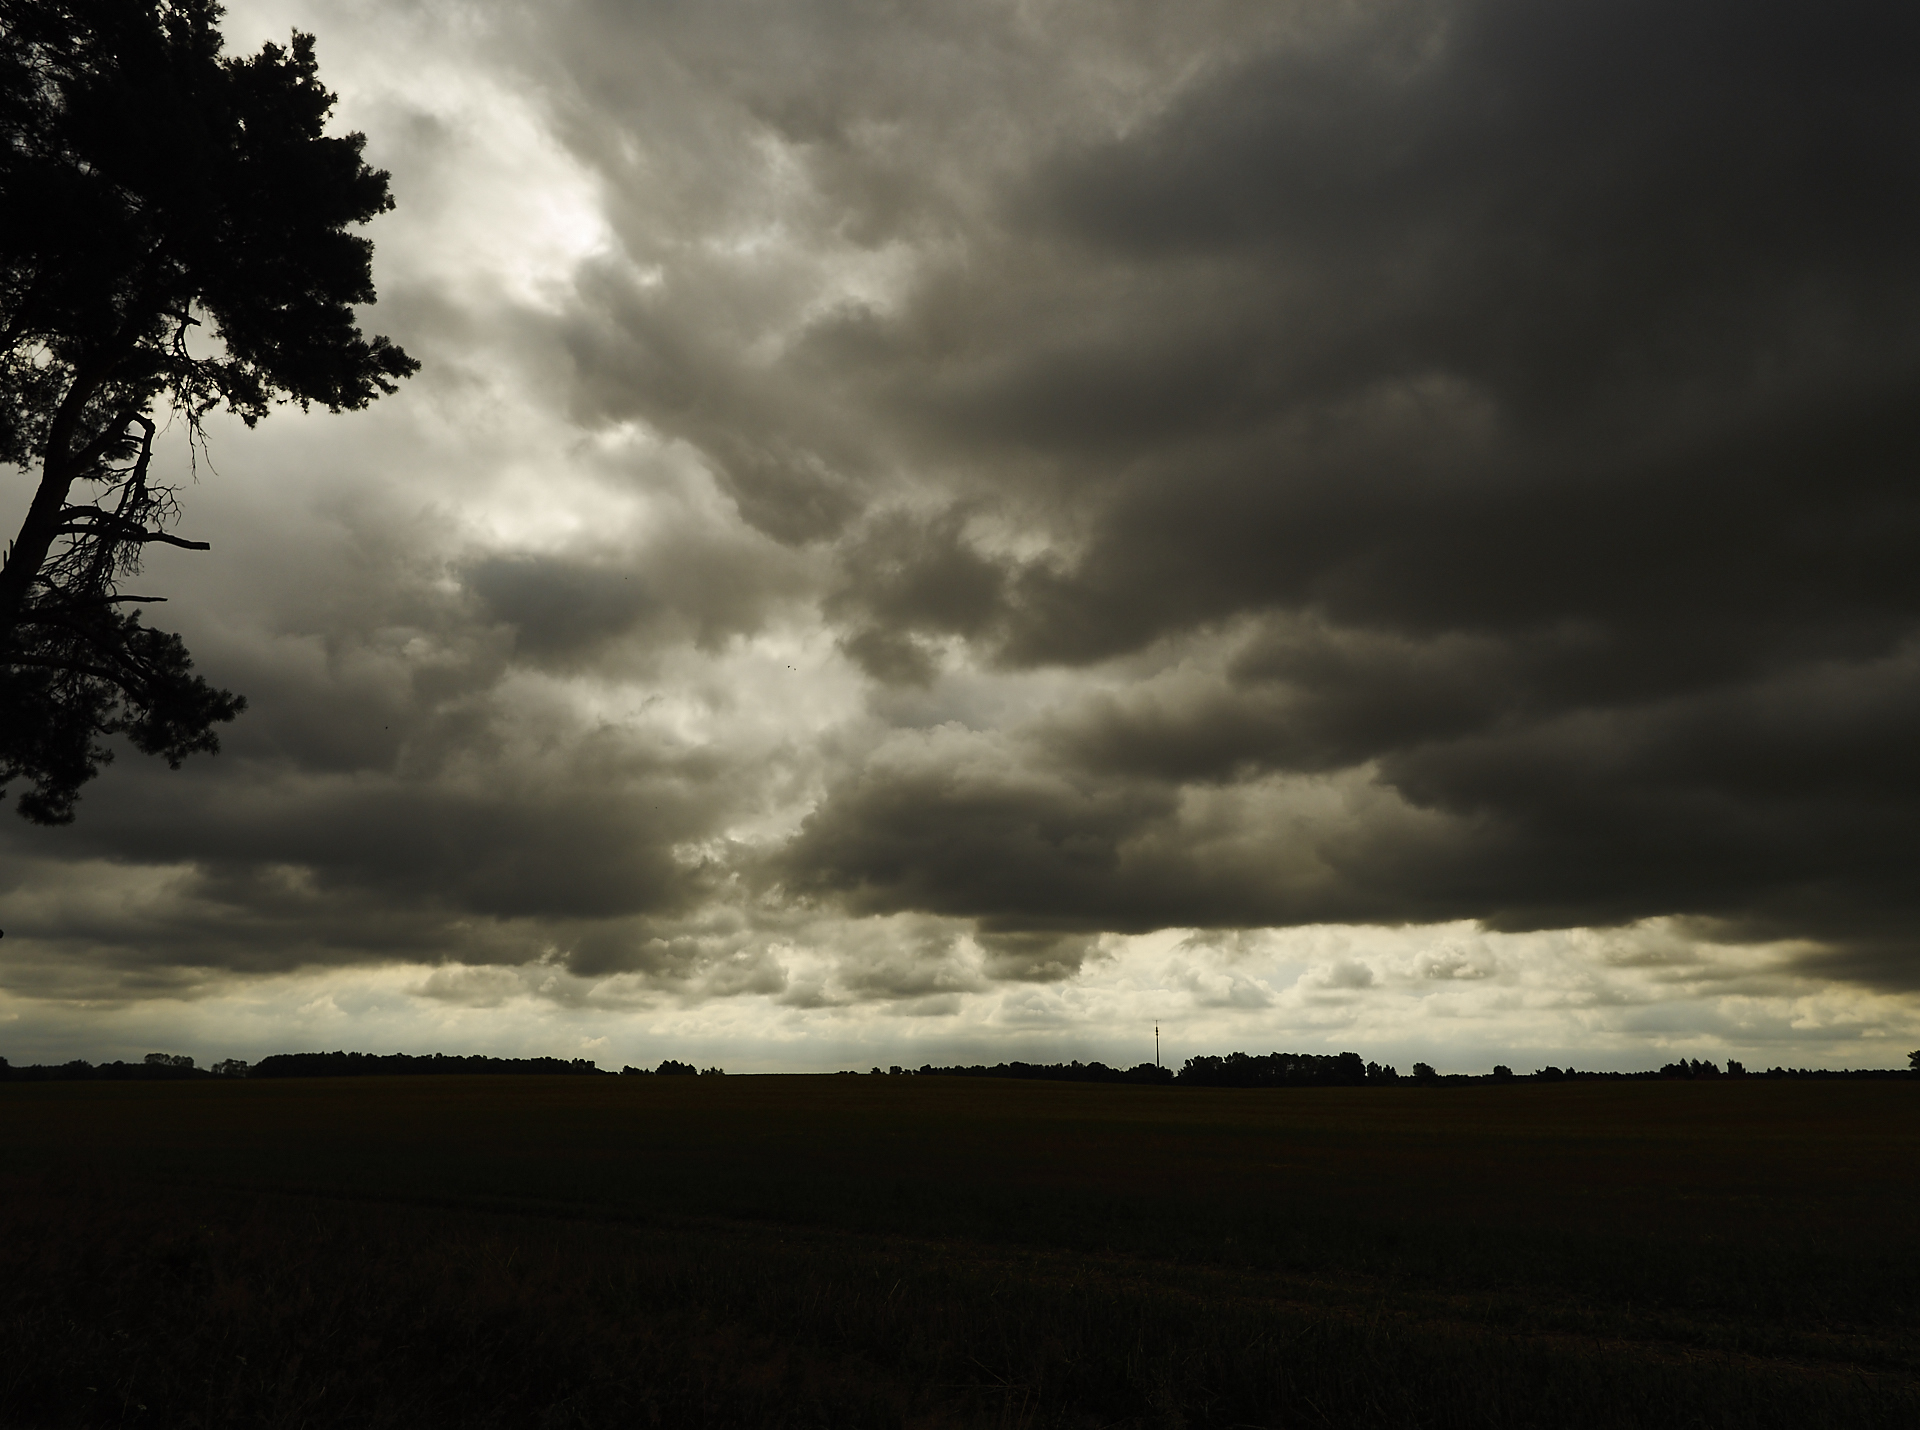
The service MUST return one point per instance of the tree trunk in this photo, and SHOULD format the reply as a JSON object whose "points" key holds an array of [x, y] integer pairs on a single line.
{"points": [[58, 471]]}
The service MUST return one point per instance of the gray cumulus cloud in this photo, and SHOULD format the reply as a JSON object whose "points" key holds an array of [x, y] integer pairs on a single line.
{"points": [[1535, 385]]}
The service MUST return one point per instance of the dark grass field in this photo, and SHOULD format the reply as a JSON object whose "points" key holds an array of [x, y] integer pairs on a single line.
{"points": [[920, 1251]]}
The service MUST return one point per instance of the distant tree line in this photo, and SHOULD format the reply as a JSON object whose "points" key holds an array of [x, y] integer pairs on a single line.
{"points": [[405, 1065], [1349, 1070], [1276, 1070], [155, 1067], [1144, 1073], [163, 1067], [1232, 1070], [670, 1068]]}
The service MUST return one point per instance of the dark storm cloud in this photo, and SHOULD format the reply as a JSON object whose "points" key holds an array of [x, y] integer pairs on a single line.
{"points": [[1532, 386], [1583, 314], [567, 611], [791, 475], [590, 838], [398, 791], [1040, 853], [559, 608], [904, 578]]}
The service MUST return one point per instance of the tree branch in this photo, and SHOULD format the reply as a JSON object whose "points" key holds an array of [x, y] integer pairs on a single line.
{"points": [[112, 432], [137, 534], [74, 667]]}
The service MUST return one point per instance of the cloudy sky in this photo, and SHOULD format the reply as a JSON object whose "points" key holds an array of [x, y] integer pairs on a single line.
{"points": [[938, 531]]}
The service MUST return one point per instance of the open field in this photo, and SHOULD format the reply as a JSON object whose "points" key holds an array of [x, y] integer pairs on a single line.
{"points": [[885, 1251]]}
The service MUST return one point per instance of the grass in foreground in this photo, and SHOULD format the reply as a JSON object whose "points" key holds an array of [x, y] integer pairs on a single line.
{"points": [[791, 1251]]}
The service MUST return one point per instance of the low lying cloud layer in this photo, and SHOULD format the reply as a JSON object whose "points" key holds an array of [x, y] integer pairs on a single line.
{"points": [[907, 508]]}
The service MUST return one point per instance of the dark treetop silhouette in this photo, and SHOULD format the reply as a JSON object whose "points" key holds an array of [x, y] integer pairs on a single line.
{"points": [[150, 187]]}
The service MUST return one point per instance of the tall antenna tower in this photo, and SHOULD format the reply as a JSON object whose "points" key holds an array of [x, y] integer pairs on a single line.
{"points": [[1156, 1045]]}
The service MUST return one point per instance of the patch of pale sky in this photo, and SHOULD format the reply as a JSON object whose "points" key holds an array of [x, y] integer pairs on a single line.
{"points": [[502, 206]]}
